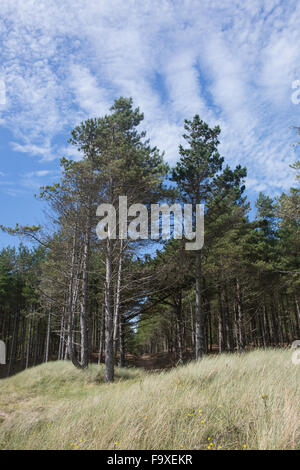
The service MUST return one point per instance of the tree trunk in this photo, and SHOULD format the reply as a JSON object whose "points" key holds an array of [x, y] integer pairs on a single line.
{"points": [[24, 324], [28, 342], [178, 313], [109, 327], [117, 298], [266, 322], [83, 303], [192, 327], [61, 337], [73, 292], [12, 357], [122, 341], [228, 323], [102, 334], [297, 317], [199, 346], [221, 324], [47, 345], [239, 336]]}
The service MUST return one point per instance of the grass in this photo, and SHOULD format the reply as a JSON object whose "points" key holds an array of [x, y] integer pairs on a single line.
{"points": [[248, 401]]}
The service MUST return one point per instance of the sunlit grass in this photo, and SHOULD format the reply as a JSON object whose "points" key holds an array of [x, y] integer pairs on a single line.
{"points": [[248, 401]]}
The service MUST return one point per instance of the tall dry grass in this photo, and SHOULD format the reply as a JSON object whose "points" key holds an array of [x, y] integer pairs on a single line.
{"points": [[221, 402]]}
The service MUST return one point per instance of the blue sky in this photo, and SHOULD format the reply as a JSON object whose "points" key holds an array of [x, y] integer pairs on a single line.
{"points": [[232, 62]]}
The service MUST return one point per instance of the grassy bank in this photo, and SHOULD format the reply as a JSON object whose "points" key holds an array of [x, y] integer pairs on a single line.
{"points": [[222, 402]]}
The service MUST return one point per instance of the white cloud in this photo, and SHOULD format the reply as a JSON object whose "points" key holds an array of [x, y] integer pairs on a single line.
{"points": [[233, 63], [71, 152], [43, 151], [35, 179], [39, 173], [88, 95]]}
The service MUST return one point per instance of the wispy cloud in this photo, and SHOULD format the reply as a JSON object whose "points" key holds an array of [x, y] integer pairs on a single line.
{"points": [[26, 182], [233, 63], [45, 151], [35, 179]]}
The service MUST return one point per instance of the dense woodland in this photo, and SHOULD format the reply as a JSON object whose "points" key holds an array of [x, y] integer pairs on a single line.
{"points": [[72, 296]]}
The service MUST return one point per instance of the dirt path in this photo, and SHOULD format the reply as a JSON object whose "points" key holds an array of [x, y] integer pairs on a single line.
{"points": [[151, 361]]}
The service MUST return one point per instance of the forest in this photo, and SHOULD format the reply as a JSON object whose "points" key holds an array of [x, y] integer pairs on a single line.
{"points": [[66, 295]]}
